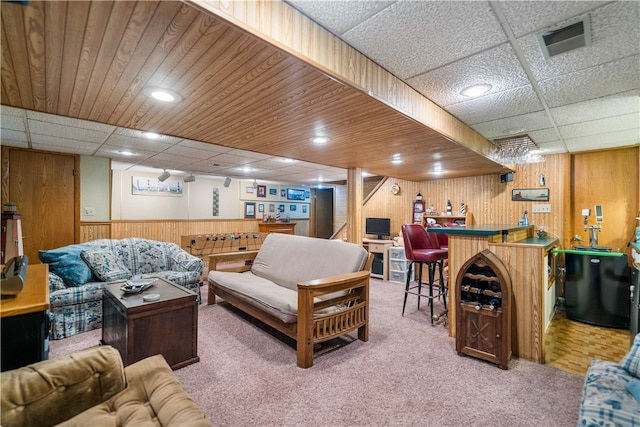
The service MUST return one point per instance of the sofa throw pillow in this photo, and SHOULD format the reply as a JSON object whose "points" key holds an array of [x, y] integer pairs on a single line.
{"points": [[631, 361], [105, 265], [633, 387], [67, 264]]}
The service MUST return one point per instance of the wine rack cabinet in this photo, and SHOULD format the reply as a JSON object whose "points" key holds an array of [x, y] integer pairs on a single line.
{"points": [[483, 318]]}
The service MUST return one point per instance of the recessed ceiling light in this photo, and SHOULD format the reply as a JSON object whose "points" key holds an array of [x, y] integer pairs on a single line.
{"points": [[396, 159], [476, 90], [287, 160], [151, 135], [320, 139], [164, 95], [126, 153]]}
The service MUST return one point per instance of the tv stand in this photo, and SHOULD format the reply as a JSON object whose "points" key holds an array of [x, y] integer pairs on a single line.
{"points": [[380, 250]]}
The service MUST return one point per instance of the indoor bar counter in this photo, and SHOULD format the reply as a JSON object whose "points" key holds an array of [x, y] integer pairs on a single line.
{"points": [[530, 264]]}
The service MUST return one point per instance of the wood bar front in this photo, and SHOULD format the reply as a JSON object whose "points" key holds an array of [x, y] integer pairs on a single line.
{"points": [[527, 260]]}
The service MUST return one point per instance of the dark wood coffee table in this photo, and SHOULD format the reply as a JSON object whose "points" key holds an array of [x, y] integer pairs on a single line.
{"points": [[139, 329]]}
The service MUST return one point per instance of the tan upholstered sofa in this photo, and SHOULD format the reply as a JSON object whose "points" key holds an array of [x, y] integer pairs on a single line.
{"points": [[312, 290], [92, 388]]}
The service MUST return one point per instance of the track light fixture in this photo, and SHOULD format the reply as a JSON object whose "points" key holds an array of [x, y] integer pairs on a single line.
{"points": [[227, 182], [255, 183], [164, 176], [189, 178]]}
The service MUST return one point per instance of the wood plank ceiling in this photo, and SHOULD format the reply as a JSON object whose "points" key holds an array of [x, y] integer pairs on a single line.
{"points": [[92, 60]]}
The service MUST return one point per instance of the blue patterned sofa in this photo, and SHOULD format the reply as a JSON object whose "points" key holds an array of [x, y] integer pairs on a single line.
{"points": [[611, 391], [78, 272]]}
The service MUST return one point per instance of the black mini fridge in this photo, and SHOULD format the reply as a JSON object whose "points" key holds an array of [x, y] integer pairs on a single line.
{"points": [[597, 289]]}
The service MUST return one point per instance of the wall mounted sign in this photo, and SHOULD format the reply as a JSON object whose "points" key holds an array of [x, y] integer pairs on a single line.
{"points": [[530, 194]]}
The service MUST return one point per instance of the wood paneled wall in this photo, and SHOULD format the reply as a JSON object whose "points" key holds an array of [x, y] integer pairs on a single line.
{"points": [[172, 230], [610, 179]]}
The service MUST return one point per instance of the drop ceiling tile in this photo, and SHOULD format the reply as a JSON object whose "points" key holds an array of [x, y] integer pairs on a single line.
{"points": [[248, 154], [137, 134], [231, 158], [552, 147], [52, 143], [498, 67], [514, 102], [70, 122], [525, 123], [8, 111], [204, 146], [13, 135], [544, 136], [69, 131], [118, 152], [599, 142], [602, 80], [593, 109], [134, 143], [603, 126], [193, 153], [530, 16], [411, 37], [8, 142], [341, 15], [615, 36], [11, 122]]}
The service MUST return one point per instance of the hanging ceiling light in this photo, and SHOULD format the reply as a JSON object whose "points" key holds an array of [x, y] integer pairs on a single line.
{"points": [[164, 176], [515, 150]]}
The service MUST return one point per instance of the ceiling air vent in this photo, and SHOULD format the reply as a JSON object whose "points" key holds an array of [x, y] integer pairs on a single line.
{"points": [[572, 36]]}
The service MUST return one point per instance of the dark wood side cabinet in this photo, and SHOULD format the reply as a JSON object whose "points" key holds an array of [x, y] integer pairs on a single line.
{"points": [[483, 322], [25, 323], [139, 329]]}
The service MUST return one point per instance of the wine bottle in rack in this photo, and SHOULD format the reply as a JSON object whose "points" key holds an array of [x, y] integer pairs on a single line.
{"points": [[494, 303]]}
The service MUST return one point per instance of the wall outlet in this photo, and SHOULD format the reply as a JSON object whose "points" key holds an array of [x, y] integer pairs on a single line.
{"points": [[542, 208], [89, 211]]}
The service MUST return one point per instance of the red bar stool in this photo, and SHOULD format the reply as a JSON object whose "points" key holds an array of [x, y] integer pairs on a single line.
{"points": [[422, 248]]}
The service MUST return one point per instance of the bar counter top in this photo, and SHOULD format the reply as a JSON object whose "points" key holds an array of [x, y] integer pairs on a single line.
{"points": [[480, 230]]}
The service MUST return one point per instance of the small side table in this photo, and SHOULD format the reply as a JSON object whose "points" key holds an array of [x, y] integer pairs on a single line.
{"points": [[25, 324], [139, 329]]}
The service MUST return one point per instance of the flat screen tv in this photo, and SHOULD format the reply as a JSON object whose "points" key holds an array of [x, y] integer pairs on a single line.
{"points": [[380, 227]]}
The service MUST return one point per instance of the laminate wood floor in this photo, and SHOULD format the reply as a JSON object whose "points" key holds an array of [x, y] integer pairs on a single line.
{"points": [[570, 345]]}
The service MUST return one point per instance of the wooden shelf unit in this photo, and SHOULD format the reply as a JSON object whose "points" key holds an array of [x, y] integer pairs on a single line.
{"points": [[442, 219]]}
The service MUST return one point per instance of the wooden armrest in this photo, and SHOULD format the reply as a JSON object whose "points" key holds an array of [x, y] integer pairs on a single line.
{"points": [[232, 261], [337, 283]]}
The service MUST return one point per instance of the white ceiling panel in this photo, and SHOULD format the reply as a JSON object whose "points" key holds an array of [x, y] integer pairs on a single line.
{"points": [[615, 35], [513, 102], [525, 17], [544, 136], [607, 140], [13, 135], [203, 146], [409, 36], [342, 15], [68, 121], [628, 122], [15, 123], [525, 123], [53, 143], [498, 66], [601, 80], [66, 132], [594, 109]]}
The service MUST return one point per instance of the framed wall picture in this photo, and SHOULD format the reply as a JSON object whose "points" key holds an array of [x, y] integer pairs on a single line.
{"points": [[249, 189], [283, 193], [295, 194], [272, 207], [260, 207], [292, 207], [262, 191], [530, 194], [249, 210], [273, 191], [281, 208]]}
